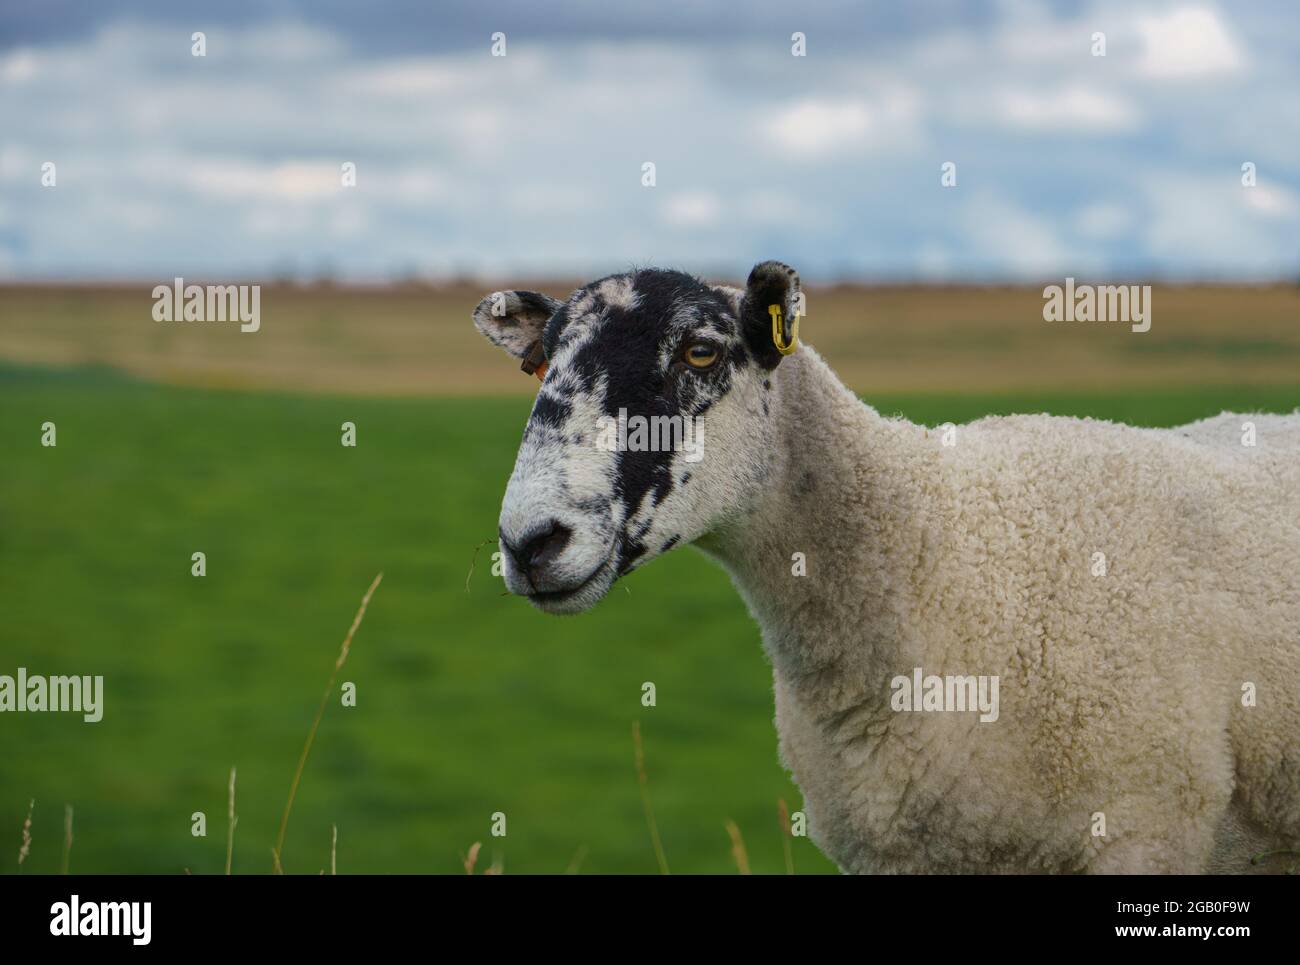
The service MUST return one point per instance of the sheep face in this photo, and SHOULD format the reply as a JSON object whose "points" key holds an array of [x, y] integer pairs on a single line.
{"points": [[651, 428]]}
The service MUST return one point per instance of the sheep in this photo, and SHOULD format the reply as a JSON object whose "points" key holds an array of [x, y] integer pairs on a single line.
{"points": [[1133, 595]]}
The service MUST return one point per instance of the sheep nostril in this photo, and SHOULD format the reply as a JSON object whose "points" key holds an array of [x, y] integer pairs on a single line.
{"points": [[542, 549]]}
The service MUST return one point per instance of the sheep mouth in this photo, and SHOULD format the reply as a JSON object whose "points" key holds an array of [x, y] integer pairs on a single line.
{"points": [[583, 596]]}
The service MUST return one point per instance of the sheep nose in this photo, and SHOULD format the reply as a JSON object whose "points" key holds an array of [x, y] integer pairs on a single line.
{"points": [[539, 548]]}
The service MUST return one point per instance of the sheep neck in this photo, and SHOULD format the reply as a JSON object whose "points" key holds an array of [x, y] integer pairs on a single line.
{"points": [[842, 489]]}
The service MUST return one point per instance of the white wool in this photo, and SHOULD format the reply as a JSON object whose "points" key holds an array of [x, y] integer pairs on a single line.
{"points": [[1121, 694]]}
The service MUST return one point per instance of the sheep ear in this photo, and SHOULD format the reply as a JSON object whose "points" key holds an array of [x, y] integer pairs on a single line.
{"points": [[772, 288], [514, 320]]}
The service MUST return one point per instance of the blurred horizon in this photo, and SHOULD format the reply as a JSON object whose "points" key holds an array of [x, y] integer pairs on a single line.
{"points": [[530, 165], [415, 338]]}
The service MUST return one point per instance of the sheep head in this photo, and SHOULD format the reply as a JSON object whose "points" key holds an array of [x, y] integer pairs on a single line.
{"points": [[652, 427]]}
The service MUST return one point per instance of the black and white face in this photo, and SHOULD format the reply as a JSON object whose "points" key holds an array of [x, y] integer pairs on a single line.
{"points": [[652, 425]]}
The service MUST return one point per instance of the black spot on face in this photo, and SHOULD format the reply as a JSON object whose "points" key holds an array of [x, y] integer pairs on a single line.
{"points": [[623, 339], [633, 347], [629, 551]]}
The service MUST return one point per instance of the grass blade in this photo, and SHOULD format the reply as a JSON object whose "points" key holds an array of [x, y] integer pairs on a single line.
{"points": [[278, 850], [231, 821], [783, 815], [470, 859], [67, 838], [645, 798], [25, 848], [738, 852], [576, 861]]}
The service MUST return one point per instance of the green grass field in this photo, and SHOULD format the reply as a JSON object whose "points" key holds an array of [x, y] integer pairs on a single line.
{"points": [[468, 703]]}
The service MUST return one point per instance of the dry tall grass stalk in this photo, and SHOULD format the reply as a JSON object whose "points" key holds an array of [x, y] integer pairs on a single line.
{"points": [[278, 850], [25, 848], [334, 849], [576, 861], [645, 798], [783, 815], [738, 851], [469, 860], [67, 839], [231, 821]]}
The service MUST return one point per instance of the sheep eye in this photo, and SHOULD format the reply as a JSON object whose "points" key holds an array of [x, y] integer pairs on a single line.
{"points": [[700, 355]]}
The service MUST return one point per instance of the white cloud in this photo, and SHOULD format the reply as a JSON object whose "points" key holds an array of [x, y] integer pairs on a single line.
{"points": [[1076, 109], [17, 164], [1202, 223], [548, 200], [819, 127], [699, 209], [767, 207], [469, 163], [812, 128], [415, 184], [409, 78], [293, 181], [1043, 42], [1103, 220], [283, 42], [1272, 202], [19, 67], [933, 260], [1187, 42], [1007, 235]]}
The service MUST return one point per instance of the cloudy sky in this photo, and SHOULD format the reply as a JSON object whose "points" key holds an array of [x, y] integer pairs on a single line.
{"points": [[228, 165]]}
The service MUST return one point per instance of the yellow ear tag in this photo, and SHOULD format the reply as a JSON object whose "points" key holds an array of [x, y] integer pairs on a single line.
{"points": [[778, 331]]}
